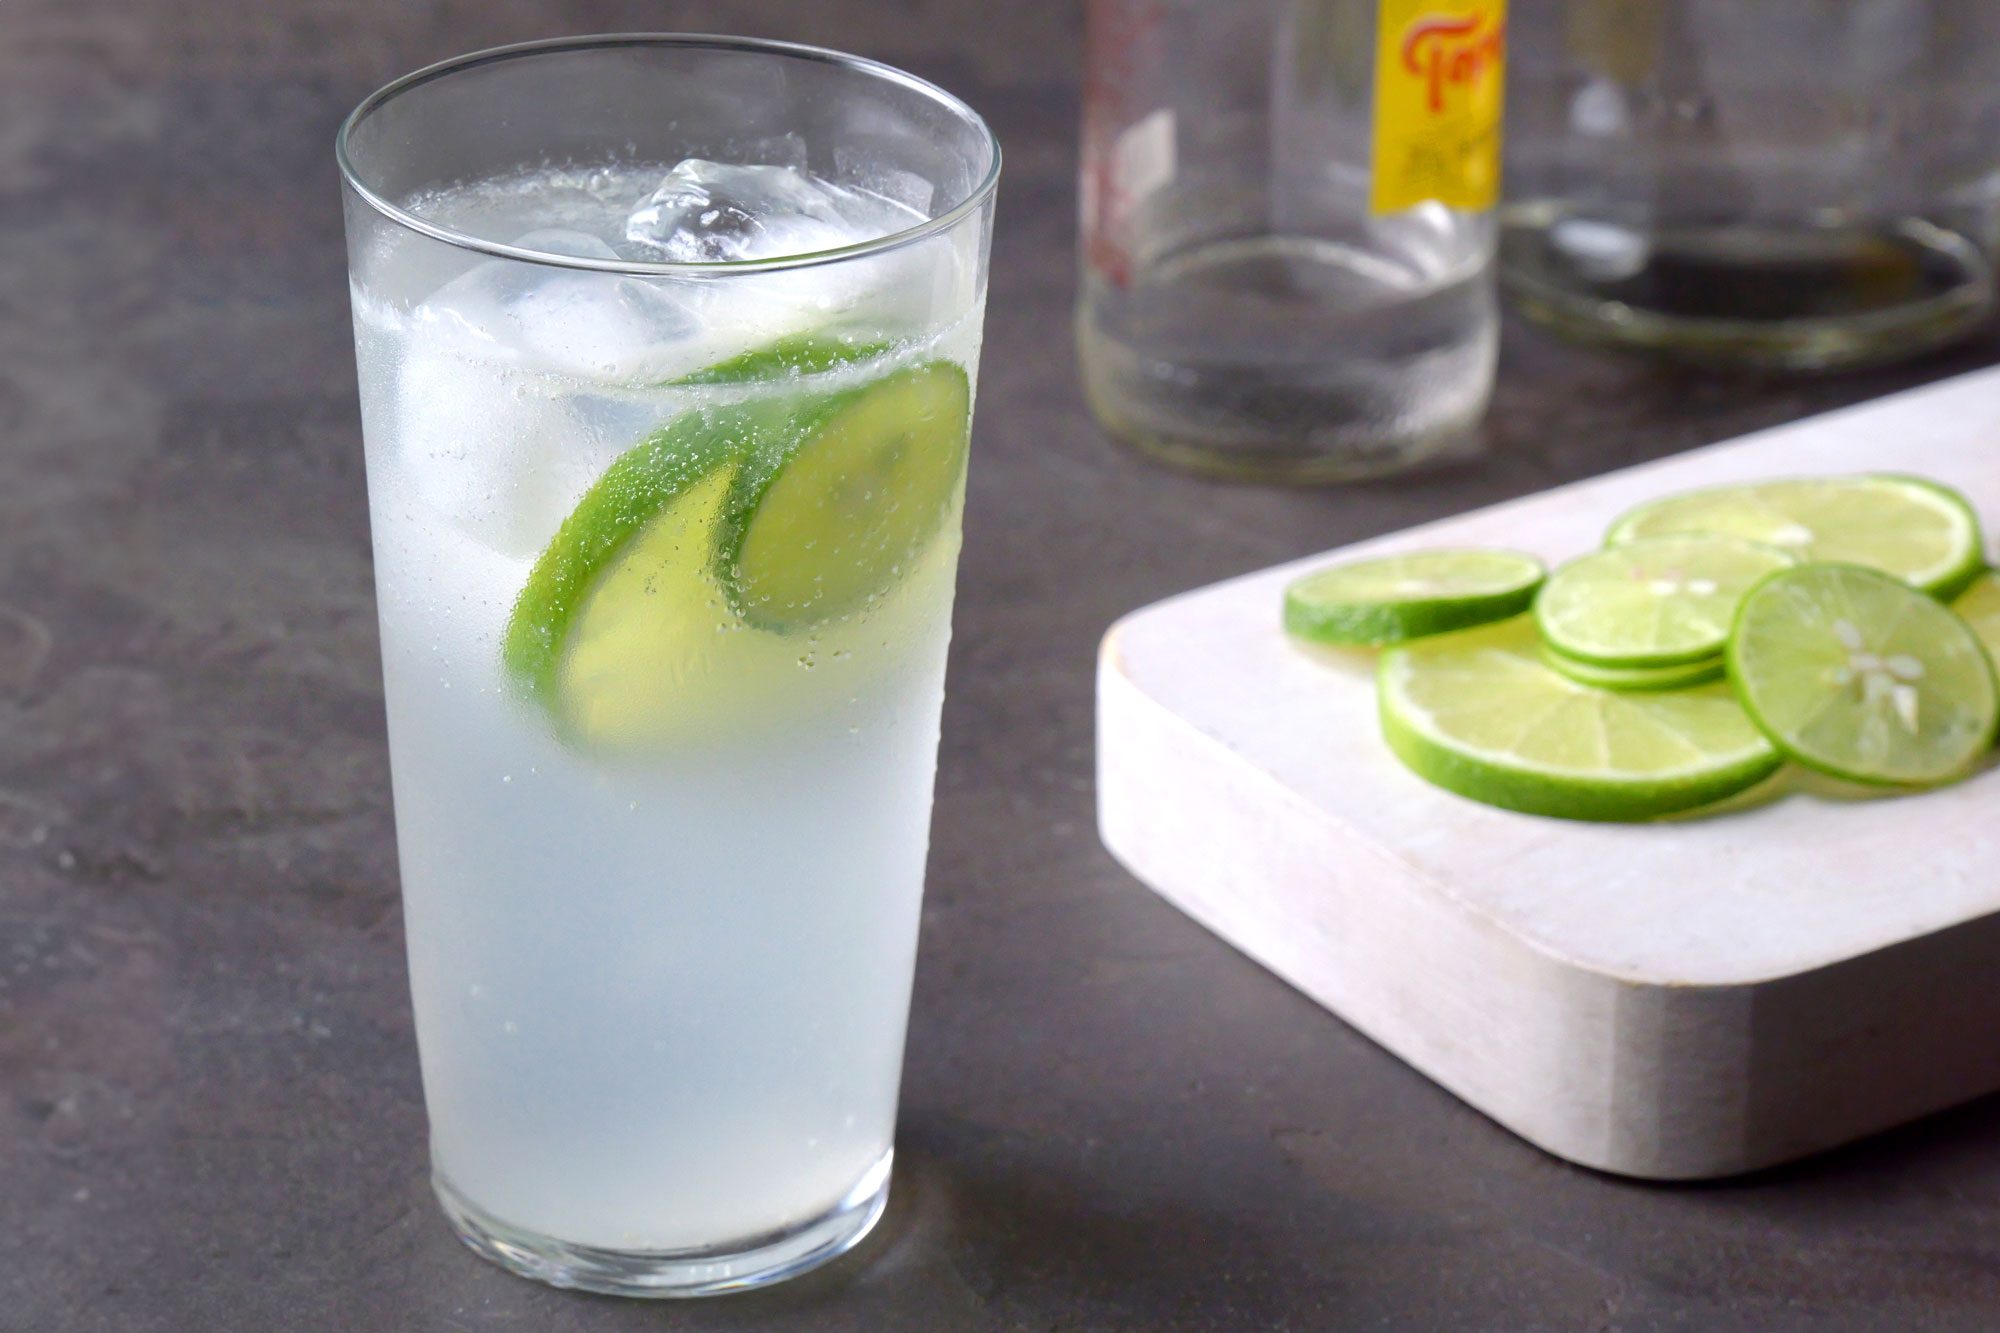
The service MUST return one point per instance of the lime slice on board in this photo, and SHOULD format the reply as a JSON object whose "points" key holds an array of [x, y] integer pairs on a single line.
{"points": [[1923, 533], [1979, 607], [1654, 601], [1398, 597], [1855, 674], [828, 512], [1635, 678], [791, 356], [1481, 714]]}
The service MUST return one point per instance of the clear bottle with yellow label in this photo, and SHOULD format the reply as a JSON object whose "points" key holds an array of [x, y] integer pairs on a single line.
{"points": [[1287, 230]]}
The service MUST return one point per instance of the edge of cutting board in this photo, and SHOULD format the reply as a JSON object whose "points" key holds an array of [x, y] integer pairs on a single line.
{"points": [[1657, 1079]]}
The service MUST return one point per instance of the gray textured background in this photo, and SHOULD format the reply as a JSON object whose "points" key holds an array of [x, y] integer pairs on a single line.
{"points": [[209, 1111]]}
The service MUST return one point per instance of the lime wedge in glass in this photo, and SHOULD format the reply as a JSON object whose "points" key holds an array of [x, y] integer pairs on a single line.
{"points": [[639, 621], [830, 509], [1636, 678], [1480, 713], [1855, 674], [1654, 601], [653, 496], [1979, 607], [1922, 532], [792, 356], [1394, 598]]}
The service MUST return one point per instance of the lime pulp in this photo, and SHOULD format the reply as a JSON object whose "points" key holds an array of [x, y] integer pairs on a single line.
{"points": [[1918, 530], [1654, 601]]}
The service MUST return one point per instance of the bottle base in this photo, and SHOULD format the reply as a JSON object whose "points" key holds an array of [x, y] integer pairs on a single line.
{"points": [[758, 1261], [1295, 360], [1272, 456], [1288, 464], [1798, 298]]}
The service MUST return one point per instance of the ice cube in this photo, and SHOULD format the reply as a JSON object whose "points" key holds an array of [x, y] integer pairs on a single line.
{"points": [[513, 392], [563, 241], [482, 447], [707, 212], [714, 212], [605, 327]]}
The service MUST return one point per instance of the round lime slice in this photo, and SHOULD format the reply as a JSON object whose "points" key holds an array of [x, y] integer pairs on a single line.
{"points": [[827, 513], [1923, 533], [1397, 597], [1979, 607], [1653, 602], [1855, 674], [1635, 678], [1481, 714]]}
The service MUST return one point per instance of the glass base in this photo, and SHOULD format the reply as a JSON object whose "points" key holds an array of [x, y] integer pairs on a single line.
{"points": [[711, 1271]]}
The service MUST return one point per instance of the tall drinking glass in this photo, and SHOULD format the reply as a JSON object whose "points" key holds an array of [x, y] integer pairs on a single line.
{"points": [[666, 352]]}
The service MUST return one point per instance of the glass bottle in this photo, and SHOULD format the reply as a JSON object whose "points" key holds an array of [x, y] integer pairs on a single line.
{"points": [[1287, 232]]}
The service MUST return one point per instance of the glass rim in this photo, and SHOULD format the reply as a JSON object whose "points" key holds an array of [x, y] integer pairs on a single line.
{"points": [[974, 199]]}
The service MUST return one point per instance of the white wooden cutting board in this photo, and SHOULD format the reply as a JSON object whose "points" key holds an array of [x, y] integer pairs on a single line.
{"points": [[1674, 1000]]}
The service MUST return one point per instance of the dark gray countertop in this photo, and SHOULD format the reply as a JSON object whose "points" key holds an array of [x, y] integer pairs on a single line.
{"points": [[209, 1109]]}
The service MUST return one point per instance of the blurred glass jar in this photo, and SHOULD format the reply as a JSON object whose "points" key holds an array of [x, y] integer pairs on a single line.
{"points": [[1794, 184], [1287, 230]]}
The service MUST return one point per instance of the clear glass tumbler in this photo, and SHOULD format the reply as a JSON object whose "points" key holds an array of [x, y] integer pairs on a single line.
{"points": [[666, 352], [1792, 184], [1287, 234]]}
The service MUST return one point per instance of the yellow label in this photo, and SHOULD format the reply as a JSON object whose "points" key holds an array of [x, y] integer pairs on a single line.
{"points": [[1439, 75]]}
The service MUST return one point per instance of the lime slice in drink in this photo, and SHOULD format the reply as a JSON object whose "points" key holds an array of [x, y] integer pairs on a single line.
{"points": [[1635, 678], [1398, 597], [1481, 714], [1979, 607], [808, 503], [1855, 674], [829, 511], [794, 355], [1923, 533], [1653, 602], [640, 502]]}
